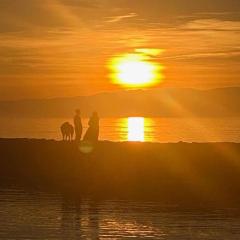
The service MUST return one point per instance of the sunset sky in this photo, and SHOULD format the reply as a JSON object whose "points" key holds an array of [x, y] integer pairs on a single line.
{"points": [[53, 48]]}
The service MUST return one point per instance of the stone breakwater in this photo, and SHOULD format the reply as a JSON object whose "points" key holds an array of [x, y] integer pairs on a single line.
{"points": [[178, 173]]}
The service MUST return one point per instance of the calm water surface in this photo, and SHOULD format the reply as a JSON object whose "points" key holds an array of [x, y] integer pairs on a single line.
{"points": [[133, 129], [38, 215]]}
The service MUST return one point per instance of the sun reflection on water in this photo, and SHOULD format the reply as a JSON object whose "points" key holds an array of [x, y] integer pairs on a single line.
{"points": [[135, 129]]}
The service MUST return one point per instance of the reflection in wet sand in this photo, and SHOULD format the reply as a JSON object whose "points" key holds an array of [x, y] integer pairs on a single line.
{"points": [[79, 220], [38, 215]]}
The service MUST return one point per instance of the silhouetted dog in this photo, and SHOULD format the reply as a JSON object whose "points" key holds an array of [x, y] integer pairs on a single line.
{"points": [[67, 131]]}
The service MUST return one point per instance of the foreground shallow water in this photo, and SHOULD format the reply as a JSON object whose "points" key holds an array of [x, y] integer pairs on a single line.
{"points": [[38, 215]]}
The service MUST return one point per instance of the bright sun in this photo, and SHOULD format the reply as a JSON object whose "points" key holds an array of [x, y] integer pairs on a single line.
{"points": [[135, 70]]}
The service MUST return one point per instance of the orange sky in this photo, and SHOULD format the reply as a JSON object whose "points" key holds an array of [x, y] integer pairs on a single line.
{"points": [[55, 48]]}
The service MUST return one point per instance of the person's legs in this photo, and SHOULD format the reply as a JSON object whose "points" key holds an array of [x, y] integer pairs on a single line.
{"points": [[77, 136]]}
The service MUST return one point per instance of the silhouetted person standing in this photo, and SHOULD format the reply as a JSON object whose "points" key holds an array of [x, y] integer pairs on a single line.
{"points": [[78, 126], [93, 129]]}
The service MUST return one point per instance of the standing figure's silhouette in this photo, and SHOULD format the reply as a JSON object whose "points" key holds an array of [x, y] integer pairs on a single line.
{"points": [[93, 129], [77, 126], [67, 131]]}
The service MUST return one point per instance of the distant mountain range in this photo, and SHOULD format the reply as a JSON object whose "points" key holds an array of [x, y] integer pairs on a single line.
{"points": [[164, 102]]}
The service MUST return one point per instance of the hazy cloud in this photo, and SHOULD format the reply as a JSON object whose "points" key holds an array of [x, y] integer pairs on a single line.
{"points": [[213, 24], [81, 3], [69, 41], [120, 18]]}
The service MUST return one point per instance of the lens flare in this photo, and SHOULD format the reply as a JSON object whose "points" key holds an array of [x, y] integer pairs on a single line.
{"points": [[136, 70]]}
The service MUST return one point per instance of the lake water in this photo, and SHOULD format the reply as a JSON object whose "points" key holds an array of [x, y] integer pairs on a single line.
{"points": [[38, 215], [133, 129]]}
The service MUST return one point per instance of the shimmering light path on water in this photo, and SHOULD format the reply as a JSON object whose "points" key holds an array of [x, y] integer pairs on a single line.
{"points": [[36, 215], [132, 129]]}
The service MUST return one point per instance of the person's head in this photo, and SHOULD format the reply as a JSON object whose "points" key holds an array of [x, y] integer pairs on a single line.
{"points": [[95, 114], [78, 111]]}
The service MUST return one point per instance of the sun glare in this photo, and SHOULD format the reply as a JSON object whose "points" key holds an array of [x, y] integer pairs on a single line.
{"points": [[135, 70]]}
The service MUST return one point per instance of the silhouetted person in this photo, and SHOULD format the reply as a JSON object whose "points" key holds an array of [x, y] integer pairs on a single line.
{"points": [[93, 129], [78, 126], [67, 131]]}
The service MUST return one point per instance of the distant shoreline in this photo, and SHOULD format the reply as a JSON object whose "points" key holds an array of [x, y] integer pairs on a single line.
{"points": [[215, 102], [180, 173]]}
